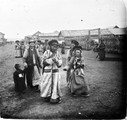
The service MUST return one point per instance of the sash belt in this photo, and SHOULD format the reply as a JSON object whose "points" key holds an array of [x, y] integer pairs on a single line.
{"points": [[49, 70]]}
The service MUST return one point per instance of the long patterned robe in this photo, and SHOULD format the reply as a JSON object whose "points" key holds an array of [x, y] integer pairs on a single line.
{"points": [[77, 82], [50, 80]]}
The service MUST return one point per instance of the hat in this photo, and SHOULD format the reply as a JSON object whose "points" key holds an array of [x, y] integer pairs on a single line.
{"points": [[17, 41], [75, 42], [77, 47], [17, 66], [53, 42], [32, 41]]}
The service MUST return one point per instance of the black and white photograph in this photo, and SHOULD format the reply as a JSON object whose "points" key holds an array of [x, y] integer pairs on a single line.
{"points": [[63, 59]]}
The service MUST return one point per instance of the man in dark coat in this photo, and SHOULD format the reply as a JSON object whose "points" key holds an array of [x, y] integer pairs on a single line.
{"points": [[31, 59]]}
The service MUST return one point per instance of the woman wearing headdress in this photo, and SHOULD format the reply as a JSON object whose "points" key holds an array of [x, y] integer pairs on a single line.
{"points": [[76, 79], [70, 53]]}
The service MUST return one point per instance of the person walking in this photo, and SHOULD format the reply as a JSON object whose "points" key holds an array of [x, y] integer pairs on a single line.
{"points": [[76, 79], [50, 82], [101, 50], [68, 57], [32, 64]]}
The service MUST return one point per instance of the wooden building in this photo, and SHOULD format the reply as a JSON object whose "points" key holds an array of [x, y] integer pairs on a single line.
{"points": [[118, 39], [27, 38], [48, 36], [84, 37], [35, 36], [79, 35]]}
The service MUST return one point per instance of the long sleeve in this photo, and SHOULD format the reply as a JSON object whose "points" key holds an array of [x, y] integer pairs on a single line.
{"points": [[45, 60], [70, 63], [58, 59]]}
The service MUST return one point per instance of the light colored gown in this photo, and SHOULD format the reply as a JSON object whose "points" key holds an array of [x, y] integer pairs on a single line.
{"points": [[50, 80], [17, 50]]}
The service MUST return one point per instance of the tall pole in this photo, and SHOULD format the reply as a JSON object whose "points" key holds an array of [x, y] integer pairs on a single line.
{"points": [[99, 34], [88, 39]]}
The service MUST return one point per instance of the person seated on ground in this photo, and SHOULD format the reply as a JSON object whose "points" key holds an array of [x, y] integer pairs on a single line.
{"points": [[76, 79], [19, 79]]}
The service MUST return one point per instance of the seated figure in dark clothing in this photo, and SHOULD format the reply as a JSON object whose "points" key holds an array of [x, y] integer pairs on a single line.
{"points": [[19, 79]]}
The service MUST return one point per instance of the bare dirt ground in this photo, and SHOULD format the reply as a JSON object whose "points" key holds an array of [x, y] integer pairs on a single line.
{"points": [[104, 79]]}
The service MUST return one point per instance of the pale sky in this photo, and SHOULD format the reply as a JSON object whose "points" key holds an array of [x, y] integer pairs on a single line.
{"points": [[19, 18]]}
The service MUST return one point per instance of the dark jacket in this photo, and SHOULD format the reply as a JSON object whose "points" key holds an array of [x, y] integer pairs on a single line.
{"points": [[19, 80], [29, 58]]}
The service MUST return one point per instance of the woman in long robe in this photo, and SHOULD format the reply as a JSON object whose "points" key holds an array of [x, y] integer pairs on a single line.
{"points": [[77, 81], [70, 53], [50, 82], [17, 49]]}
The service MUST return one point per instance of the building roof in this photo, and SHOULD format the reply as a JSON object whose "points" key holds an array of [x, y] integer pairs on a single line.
{"points": [[102, 32], [29, 36], [54, 34], [1, 33], [118, 31], [71, 33], [37, 33]]}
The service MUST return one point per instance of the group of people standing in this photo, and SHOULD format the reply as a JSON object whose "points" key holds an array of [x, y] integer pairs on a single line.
{"points": [[19, 48], [42, 70]]}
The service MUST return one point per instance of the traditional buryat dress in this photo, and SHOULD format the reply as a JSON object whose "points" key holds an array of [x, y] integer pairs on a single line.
{"points": [[76, 78], [50, 82], [17, 50]]}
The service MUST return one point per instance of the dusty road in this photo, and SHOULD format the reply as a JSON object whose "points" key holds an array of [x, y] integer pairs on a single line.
{"points": [[104, 79]]}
